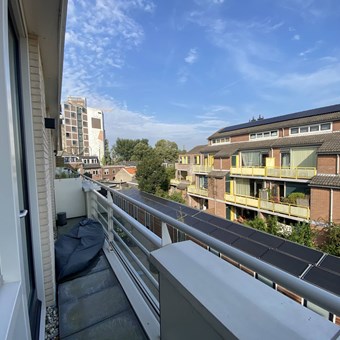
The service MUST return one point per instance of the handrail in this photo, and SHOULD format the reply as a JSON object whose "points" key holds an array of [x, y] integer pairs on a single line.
{"points": [[312, 293], [259, 206], [275, 171]]}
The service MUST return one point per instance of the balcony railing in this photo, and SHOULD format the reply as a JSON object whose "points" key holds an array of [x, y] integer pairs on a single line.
{"points": [[183, 167], [198, 191], [277, 172], [202, 168], [134, 245], [281, 208], [174, 181]]}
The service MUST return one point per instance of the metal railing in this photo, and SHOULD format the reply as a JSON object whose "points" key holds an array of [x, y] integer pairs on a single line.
{"points": [[138, 232], [277, 172], [198, 191], [202, 168], [281, 208]]}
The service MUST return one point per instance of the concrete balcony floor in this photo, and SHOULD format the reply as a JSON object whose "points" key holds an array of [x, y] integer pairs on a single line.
{"points": [[93, 305]]}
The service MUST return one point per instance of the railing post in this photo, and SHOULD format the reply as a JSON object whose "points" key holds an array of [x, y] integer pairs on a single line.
{"points": [[109, 217], [87, 187], [94, 206], [166, 239]]}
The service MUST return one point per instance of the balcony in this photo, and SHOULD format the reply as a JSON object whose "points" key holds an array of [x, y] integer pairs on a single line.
{"points": [[201, 168], [183, 167], [288, 210], [174, 181], [140, 262], [192, 189], [275, 172]]}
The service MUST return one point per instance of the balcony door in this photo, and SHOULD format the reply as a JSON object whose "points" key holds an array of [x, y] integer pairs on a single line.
{"points": [[33, 303]]}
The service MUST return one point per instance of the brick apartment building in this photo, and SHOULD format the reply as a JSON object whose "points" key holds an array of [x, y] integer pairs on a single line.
{"points": [[287, 166]]}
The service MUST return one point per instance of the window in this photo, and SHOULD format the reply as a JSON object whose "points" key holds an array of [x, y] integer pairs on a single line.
{"points": [[326, 126], [85, 124], [74, 129], [285, 158], [68, 135], [220, 140], [311, 128], [96, 123], [106, 171], [74, 142], [67, 121], [66, 106], [262, 135], [73, 115]]}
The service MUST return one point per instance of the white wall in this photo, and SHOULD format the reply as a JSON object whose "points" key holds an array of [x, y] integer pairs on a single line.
{"points": [[69, 197]]}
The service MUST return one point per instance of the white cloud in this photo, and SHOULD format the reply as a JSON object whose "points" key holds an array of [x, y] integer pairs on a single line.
{"points": [[192, 56], [124, 123], [97, 41], [296, 37]]}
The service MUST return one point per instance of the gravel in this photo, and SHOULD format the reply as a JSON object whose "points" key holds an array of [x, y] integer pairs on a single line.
{"points": [[52, 323]]}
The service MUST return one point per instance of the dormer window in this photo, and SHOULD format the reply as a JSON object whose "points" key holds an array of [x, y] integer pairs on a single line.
{"points": [[263, 135], [324, 127], [223, 140]]}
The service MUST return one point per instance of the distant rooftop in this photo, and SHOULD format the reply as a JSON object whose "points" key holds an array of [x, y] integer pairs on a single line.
{"points": [[296, 115]]}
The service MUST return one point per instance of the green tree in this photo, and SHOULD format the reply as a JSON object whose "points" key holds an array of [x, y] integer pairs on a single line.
{"points": [[258, 223], [175, 196], [107, 156], [303, 234], [272, 226], [140, 151], [123, 149], [151, 174], [167, 151], [331, 244]]}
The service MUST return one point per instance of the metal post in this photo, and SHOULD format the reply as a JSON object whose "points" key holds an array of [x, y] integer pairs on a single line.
{"points": [[109, 217]]}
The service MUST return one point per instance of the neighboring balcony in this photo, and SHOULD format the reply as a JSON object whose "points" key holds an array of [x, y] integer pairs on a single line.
{"points": [[198, 191], [277, 172], [174, 181], [280, 208], [202, 168], [183, 167]]}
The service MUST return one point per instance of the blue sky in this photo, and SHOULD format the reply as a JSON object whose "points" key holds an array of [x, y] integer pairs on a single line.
{"points": [[182, 69]]}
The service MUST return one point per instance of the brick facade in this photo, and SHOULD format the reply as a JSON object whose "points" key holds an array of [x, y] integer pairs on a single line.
{"points": [[327, 164], [44, 159], [320, 202]]}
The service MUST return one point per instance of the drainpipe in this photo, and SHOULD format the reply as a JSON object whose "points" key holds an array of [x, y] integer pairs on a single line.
{"points": [[337, 164], [331, 206]]}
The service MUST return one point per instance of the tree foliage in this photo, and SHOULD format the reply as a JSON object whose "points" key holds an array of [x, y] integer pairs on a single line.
{"points": [[303, 234], [124, 148], [331, 244], [140, 151], [167, 151], [175, 196], [151, 174]]}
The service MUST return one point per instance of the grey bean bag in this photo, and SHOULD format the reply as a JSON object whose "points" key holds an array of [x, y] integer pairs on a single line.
{"points": [[75, 250]]}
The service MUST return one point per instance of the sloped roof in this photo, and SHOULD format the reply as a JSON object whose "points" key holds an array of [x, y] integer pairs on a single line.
{"points": [[298, 118], [325, 181], [196, 149], [131, 171], [331, 145]]}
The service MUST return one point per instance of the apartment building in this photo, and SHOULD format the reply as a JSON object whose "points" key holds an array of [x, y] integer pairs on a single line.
{"points": [[287, 166], [82, 130]]}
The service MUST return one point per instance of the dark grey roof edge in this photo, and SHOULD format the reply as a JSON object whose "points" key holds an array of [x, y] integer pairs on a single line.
{"points": [[300, 114]]}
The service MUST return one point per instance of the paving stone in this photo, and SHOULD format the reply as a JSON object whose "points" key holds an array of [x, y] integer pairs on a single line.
{"points": [[86, 285], [87, 311], [121, 326]]}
